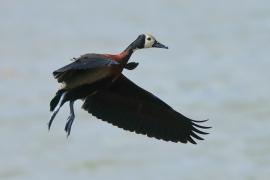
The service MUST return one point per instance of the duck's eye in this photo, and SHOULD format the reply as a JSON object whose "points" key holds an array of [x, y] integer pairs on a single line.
{"points": [[148, 39]]}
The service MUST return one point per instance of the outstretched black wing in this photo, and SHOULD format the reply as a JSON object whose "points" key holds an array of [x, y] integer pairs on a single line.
{"points": [[130, 107], [85, 62]]}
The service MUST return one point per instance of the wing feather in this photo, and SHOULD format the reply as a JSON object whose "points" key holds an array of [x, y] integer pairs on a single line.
{"points": [[83, 63], [132, 108]]}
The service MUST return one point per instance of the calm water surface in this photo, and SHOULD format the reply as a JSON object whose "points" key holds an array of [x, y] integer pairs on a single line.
{"points": [[217, 67]]}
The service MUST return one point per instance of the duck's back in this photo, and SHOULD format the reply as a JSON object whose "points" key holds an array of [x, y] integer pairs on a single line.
{"points": [[86, 69]]}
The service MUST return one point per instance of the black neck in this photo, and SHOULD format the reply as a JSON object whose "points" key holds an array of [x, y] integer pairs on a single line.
{"points": [[137, 44], [131, 47]]}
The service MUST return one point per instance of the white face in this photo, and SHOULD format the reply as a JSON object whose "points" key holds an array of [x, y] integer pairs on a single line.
{"points": [[149, 41]]}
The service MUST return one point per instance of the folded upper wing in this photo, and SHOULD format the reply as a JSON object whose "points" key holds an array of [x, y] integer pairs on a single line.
{"points": [[85, 62], [130, 107]]}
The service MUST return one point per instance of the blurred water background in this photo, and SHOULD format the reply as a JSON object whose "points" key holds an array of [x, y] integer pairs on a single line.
{"points": [[217, 67]]}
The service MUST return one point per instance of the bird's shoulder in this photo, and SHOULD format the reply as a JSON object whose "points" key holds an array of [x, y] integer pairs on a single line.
{"points": [[93, 57], [87, 61]]}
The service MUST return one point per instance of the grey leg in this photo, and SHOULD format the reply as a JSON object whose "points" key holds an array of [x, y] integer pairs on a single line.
{"points": [[57, 108], [70, 118]]}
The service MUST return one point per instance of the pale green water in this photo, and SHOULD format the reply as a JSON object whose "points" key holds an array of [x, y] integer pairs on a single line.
{"points": [[217, 67]]}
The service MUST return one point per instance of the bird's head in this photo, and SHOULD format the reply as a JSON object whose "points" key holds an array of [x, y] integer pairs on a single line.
{"points": [[146, 41]]}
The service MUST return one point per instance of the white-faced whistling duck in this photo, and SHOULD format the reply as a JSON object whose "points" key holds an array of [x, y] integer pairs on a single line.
{"points": [[97, 79]]}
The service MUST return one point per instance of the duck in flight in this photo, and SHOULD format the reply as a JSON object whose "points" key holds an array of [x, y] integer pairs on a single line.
{"points": [[97, 79]]}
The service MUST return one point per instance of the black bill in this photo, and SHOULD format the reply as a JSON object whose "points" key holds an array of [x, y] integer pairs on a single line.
{"points": [[159, 45]]}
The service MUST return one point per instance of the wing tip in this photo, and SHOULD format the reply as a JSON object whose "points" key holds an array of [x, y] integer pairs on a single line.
{"points": [[196, 129]]}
